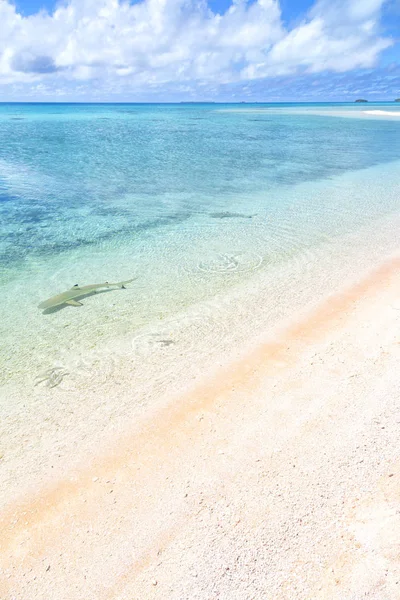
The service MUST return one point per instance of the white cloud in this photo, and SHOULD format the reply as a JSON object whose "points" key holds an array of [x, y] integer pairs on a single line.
{"points": [[339, 35], [114, 43]]}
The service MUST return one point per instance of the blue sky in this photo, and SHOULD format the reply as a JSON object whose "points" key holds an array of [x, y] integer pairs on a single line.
{"points": [[30, 7], [171, 50]]}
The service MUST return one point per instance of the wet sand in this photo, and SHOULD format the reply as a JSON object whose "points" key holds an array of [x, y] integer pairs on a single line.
{"points": [[275, 476]]}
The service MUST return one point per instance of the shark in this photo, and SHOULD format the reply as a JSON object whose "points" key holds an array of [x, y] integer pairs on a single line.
{"points": [[77, 291]]}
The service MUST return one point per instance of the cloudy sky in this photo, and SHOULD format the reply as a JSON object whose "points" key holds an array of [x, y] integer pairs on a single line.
{"points": [[169, 50]]}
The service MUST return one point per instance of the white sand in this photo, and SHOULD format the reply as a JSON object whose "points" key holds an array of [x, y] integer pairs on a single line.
{"points": [[392, 113], [353, 113], [276, 476]]}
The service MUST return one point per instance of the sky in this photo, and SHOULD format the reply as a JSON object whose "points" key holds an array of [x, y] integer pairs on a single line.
{"points": [[199, 50]]}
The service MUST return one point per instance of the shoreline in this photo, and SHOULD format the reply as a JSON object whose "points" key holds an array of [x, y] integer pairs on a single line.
{"points": [[200, 437], [115, 385]]}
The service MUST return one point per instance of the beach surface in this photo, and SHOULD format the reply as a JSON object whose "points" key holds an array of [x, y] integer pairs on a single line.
{"points": [[272, 475]]}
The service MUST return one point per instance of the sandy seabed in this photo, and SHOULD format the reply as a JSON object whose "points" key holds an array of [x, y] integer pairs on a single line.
{"points": [[275, 476]]}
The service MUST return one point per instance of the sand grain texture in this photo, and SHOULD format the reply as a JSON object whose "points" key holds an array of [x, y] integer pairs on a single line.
{"points": [[276, 478]]}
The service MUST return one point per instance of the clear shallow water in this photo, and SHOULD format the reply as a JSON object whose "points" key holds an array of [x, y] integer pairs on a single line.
{"points": [[74, 176], [190, 199]]}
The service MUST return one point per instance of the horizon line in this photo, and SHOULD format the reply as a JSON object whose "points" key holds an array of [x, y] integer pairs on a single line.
{"points": [[179, 102]]}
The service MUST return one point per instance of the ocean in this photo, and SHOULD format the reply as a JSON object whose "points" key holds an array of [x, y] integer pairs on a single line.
{"points": [[203, 205]]}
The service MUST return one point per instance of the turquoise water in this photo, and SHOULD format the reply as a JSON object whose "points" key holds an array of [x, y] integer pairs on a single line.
{"points": [[74, 176], [189, 199]]}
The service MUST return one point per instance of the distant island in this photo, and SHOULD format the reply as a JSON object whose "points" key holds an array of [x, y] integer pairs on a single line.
{"points": [[361, 100], [397, 100]]}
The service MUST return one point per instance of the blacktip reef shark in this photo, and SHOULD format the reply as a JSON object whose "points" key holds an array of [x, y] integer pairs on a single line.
{"points": [[77, 291]]}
